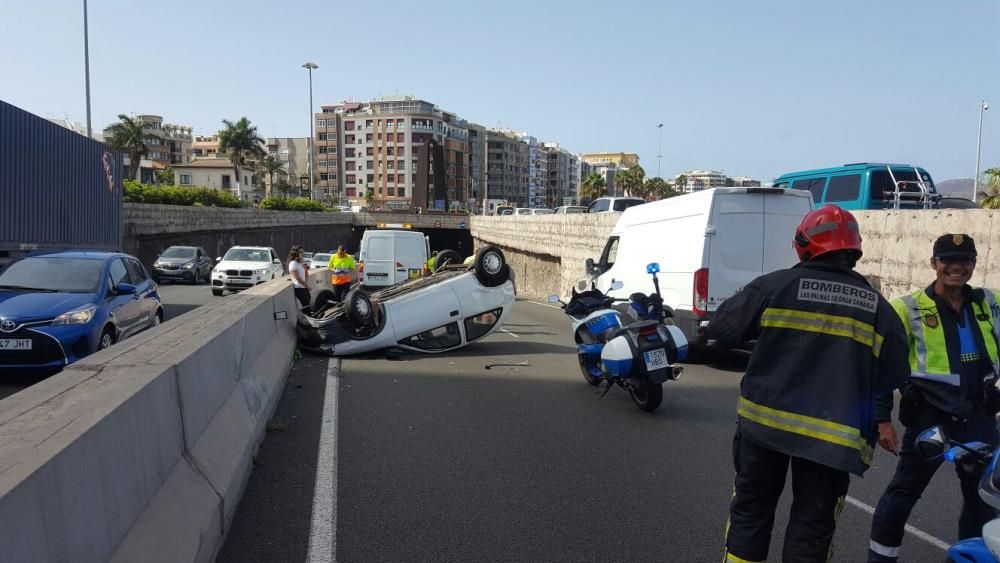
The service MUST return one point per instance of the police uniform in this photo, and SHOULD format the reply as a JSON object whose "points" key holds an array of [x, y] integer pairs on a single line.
{"points": [[827, 342], [954, 363]]}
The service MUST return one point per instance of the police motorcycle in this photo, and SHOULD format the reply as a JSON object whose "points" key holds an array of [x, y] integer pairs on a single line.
{"points": [[639, 356], [932, 444]]}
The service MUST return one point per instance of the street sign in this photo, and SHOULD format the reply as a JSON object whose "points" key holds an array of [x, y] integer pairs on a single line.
{"points": [[462, 225], [437, 224]]}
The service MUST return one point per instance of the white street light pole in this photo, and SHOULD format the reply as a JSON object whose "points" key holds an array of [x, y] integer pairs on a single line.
{"points": [[312, 170], [659, 150], [86, 64], [983, 106]]}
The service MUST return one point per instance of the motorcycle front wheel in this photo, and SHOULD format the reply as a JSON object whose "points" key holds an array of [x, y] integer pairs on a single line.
{"points": [[591, 379], [647, 396]]}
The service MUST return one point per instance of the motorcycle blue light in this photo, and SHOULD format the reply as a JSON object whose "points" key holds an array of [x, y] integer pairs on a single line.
{"points": [[652, 268]]}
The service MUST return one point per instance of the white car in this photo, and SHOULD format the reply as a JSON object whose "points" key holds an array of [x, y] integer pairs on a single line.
{"points": [[245, 266], [320, 260], [569, 209], [452, 308]]}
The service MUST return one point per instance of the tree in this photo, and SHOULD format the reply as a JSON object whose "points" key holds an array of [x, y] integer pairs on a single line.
{"points": [[127, 137], [240, 142], [681, 183], [270, 165], [990, 198], [282, 187], [370, 198], [658, 188], [593, 187], [165, 176], [630, 180]]}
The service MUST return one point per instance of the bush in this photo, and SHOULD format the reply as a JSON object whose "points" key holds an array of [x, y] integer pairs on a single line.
{"points": [[293, 204], [136, 192]]}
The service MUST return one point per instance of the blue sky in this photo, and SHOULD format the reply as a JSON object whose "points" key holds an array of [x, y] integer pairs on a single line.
{"points": [[753, 88]]}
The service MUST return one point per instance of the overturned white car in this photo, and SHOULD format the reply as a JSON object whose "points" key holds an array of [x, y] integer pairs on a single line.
{"points": [[453, 307]]}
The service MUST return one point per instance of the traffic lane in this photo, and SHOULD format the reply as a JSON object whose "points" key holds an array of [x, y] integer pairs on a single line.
{"points": [[526, 462]]}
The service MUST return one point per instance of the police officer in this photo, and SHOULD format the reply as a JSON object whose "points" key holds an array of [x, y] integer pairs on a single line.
{"points": [[953, 334], [825, 342]]}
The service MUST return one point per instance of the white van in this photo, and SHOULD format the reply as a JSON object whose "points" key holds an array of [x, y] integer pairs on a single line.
{"points": [[388, 257], [709, 244]]}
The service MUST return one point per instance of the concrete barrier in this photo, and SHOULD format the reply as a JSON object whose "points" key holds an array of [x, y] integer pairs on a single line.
{"points": [[142, 451], [548, 251]]}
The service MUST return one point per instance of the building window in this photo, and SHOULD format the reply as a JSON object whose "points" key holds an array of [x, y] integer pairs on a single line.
{"points": [[369, 137], [333, 177], [324, 177], [351, 179], [349, 126], [400, 123], [349, 165], [323, 163], [321, 123], [368, 124], [349, 139], [400, 165], [322, 136], [371, 178], [389, 151], [401, 192], [349, 153], [391, 191], [185, 179], [389, 164], [400, 179], [226, 182], [400, 137], [370, 151], [371, 165], [351, 192], [322, 150]]}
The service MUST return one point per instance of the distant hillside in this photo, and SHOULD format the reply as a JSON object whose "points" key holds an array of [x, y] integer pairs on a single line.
{"points": [[959, 186]]}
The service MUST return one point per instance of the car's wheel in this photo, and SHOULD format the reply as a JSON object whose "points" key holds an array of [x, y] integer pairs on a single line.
{"points": [[158, 317], [491, 266], [447, 257], [217, 292], [359, 307], [107, 338], [322, 298]]}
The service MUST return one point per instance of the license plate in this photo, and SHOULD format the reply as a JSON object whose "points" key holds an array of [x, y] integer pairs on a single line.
{"points": [[378, 276], [414, 273], [655, 359], [240, 282], [15, 344]]}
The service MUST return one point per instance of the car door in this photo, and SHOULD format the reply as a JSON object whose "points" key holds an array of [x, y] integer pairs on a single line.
{"points": [[204, 263], [147, 295], [124, 307], [427, 319]]}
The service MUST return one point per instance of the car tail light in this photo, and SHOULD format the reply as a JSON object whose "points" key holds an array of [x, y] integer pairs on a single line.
{"points": [[700, 301], [361, 268], [427, 271]]}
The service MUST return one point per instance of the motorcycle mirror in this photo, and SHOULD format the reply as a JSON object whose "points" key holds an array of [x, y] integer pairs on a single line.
{"points": [[652, 268], [582, 285], [553, 299], [590, 265], [932, 443], [617, 285]]}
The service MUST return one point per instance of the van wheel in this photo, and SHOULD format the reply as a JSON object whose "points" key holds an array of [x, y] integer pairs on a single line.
{"points": [[447, 257], [322, 298], [491, 266], [359, 307]]}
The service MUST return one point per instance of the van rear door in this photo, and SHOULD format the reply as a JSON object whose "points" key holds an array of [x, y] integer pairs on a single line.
{"points": [[411, 255], [379, 258]]}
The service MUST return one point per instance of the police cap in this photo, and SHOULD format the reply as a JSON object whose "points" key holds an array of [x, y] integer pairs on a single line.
{"points": [[955, 246]]}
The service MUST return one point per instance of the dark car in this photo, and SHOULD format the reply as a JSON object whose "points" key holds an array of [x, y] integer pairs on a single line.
{"points": [[183, 263], [957, 203], [57, 307]]}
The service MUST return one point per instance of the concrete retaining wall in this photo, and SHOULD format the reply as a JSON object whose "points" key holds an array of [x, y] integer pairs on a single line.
{"points": [[141, 452], [549, 251]]}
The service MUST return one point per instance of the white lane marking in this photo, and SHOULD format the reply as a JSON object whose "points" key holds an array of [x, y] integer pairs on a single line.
{"points": [[502, 329], [542, 304], [915, 531], [323, 531]]}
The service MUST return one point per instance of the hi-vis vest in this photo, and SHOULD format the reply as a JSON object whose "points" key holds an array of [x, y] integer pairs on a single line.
{"points": [[928, 351], [338, 263]]}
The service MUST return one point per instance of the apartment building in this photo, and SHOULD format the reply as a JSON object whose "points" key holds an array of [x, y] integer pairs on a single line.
{"points": [[217, 172], [697, 180], [328, 159], [618, 159], [477, 164], [506, 167], [562, 177], [168, 145], [205, 146], [293, 152]]}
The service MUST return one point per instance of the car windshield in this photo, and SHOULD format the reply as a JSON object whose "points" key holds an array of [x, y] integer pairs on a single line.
{"points": [[623, 204], [324, 258], [67, 275], [178, 252], [576, 209], [542, 212], [247, 255]]}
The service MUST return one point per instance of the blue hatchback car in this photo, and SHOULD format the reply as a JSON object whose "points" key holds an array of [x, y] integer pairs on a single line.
{"points": [[57, 307]]}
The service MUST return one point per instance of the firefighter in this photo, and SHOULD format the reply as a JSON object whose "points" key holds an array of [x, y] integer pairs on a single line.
{"points": [[826, 341], [953, 335]]}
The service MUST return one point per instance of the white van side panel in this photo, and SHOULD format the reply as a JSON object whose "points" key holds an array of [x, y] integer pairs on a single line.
{"points": [[782, 216], [735, 251]]}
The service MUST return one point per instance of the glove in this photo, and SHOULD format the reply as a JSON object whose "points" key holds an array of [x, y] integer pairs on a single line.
{"points": [[911, 404]]}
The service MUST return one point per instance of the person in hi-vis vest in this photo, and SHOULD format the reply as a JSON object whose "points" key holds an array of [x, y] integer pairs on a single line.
{"points": [[342, 267]]}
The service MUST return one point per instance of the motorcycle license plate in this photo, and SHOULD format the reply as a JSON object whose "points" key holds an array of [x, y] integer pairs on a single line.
{"points": [[655, 359]]}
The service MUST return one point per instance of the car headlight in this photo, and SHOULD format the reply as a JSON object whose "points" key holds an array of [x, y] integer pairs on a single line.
{"points": [[188, 265], [156, 264], [78, 316], [262, 271]]}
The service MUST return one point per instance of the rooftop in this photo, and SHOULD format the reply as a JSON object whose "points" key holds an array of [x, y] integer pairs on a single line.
{"points": [[207, 163]]}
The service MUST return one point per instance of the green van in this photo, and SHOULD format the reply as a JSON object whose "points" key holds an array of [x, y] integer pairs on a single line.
{"points": [[866, 185]]}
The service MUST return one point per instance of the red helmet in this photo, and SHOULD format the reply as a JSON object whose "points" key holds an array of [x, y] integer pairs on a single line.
{"points": [[827, 229]]}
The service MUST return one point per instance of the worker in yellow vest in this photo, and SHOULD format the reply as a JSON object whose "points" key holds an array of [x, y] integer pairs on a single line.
{"points": [[954, 333], [342, 267]]}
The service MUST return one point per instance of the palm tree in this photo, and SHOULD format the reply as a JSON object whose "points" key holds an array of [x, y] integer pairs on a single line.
{"points": [[658, 188], [593, 186], [241, 142], [631, 181], [681, 183], [126, 136], [991, 197], [270, 165]]}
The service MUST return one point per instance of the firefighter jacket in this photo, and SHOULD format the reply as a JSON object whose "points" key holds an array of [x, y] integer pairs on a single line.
{"points": [[934, 348], [827, 344]]}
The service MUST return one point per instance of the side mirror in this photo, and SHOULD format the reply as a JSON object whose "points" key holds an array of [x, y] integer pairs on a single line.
{"points": [[590, 265], [276, 261], [218, 259], [932, 443], [125, 289], [554, 299], [617, 284]]}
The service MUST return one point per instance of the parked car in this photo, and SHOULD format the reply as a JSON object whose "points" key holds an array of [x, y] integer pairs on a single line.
{"points": [[320, 260], [709, 244], [58, 307], [450, 309], [390, 256], [504, 210], [307, 259], [541, 211], [245, 266], [182, 263], [613, 204], [865, 185], [567, 209]]}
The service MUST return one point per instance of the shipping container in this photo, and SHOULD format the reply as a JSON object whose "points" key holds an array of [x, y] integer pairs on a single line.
{"points": [[58, 189]]}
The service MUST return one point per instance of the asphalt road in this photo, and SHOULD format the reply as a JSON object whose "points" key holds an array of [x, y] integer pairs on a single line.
{"points": [[176, 299], [435, 458]]}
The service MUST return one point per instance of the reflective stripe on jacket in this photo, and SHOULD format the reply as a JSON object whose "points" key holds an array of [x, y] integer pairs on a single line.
{"points": [[931, 368], [346, 264], [827, 346]]}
